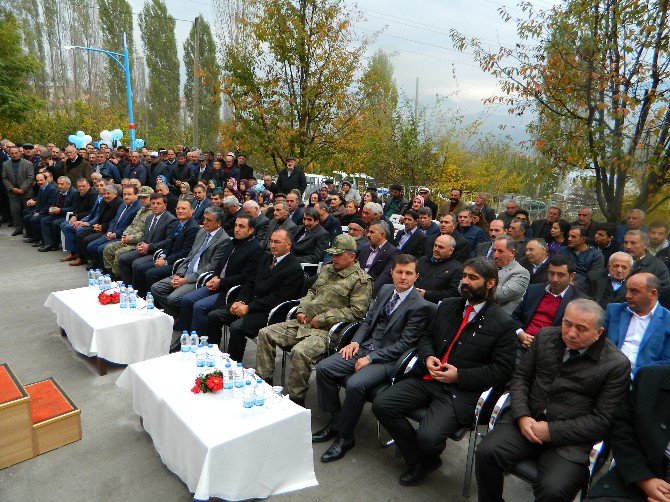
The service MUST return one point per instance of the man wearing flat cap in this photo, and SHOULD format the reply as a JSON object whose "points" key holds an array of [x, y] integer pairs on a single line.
{"points": [[291, 177], [341, 293]]}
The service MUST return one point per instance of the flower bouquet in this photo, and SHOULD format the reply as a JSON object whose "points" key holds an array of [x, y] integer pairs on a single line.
{"points": [[109, 297], [209, 382]]}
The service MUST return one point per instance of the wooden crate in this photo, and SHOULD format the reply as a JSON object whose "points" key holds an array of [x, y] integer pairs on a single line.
{"points": [[17, 442]]}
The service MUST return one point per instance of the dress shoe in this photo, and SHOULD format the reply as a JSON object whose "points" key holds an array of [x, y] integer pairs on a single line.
{"points": [[46, 248], [37, 244], [77, 262], [69, 257], [29, 240], [415, 474], [16, 232], [325, 434], [337, 450]]}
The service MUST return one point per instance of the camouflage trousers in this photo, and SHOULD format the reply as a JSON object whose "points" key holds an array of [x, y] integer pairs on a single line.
{"points": [[308, 346], [111, 253]]}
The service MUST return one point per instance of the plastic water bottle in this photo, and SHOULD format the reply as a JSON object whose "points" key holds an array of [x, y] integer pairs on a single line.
{"points": [[225, 359], [259, 393], [203, 340], [183, 341], [132, 298], [123, 299], [98, 282], [108, 283], [228, 377], [239, 377], [248, 395], [150, 302], [91, 279], [200, 356], [194, 341], [210, 357]]}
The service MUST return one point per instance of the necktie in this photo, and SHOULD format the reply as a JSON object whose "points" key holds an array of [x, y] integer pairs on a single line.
{"points": [[391, 304], [196, 258], [197, 205], [178, 230], [572, 353], [153, 223], [274, 262], [466, 316]]}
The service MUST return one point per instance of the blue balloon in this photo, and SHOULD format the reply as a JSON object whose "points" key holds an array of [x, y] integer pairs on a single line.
{"points": [[81, 134], [117, 134], [139, 143], [72, 138]]}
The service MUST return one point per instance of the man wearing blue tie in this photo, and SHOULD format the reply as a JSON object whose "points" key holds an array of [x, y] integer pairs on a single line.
{"points": [[641, 326]]}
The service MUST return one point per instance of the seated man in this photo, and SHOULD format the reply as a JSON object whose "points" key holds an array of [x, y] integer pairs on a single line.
{"points": [[426, 223], [451, 376], [641, 326], [239, 261], [394, 323], [639, 442], [609, 285], [513, 279], [262, 222], [604, 240], [472, 233], [448, 227], [232, 207], [341, 293], [536, 260], [410, 240], [38, 208], [84, 207], [517, 231], [586, 257], [63, 203], [311, 239], [328, 221], [376, 256], [563, 396], [147, 270], [635, 243], [439, 274], [277, 278], [496, 229], [280, 221], [205, 256], [200, 203]]}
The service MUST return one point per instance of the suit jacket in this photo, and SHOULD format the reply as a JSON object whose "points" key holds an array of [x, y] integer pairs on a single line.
{"points": [[598, 287], [123, 218], [484, 354], [415, 245], [380, 270], [182, 242], [541, 275], [332, 226], [286, 183], [525, 311], [579, 397], [287, 224], [199, 212], [68, 202], [483, 248], [650, 263], [439, 280], [312, 248], [541, 228], [296, 217], [160, 236], [83, 204], [209, 259], [240, 258], [44, 199], [403, 330], [137, 171], [261, 230], [461, 251], [639, 436], [24, 180], [447, 204], [655, 345], [106, 213], [432, 230], [269, 287], [513, 281]]}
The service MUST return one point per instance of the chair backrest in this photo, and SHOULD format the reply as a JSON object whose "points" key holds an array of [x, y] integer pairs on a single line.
{"points": [[232, 294], [311, 269], [346, 334], [177, 264], [281, 311], [396, 219]]}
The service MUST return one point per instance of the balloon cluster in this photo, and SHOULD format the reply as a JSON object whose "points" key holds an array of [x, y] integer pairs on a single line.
{"points": [[80, 139], [111, 138]]}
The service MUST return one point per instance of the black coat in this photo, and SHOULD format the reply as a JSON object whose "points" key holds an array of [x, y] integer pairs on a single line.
{"points": [[286, 183], [541, 228], [440, 280], [649, 263], [312, 248], [108, 212], [241, 261], [639, 436], [598, 287], [540, 276], [484, 354], [82, 205], [415, 245], [461, 251], [579, 398], [181, 244], [380, 270]]}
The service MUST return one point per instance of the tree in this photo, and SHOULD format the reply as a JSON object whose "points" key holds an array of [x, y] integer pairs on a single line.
{"points": [[116, 18], [290, 84], [16, 67], [209, 82], [596, 73], [160, 50]]}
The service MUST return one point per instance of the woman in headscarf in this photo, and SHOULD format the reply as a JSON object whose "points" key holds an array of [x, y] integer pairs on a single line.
{"points": [[231, 183], [186, 193], [418, 202]]}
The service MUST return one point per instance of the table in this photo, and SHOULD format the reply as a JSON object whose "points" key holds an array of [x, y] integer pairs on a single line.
{"points": [[213, 444], [108, 333]]}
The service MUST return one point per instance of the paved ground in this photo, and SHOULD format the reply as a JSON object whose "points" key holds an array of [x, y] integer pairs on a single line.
{"points": [[116, 459]]}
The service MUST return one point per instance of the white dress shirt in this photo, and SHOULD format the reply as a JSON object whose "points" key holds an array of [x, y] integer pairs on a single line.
{"points": [[636, 328]]}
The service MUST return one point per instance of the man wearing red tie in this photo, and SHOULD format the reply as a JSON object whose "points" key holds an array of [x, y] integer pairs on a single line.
{"points": [[468, 347]]}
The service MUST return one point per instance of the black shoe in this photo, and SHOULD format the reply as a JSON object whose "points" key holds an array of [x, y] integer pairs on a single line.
{"points": [[10, 224], [29, 240], [46, 248], [325, 434], [337, 450], [415, 474], [37, 244], [16, 232]]}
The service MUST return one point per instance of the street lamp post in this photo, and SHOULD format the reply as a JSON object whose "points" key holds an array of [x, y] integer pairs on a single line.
{"points": [[123, 61]]}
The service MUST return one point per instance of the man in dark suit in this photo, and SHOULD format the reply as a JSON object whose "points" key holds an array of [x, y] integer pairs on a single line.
{"points": [[85, 202], [448, 227], [536, 261], [310, 240], [278, 278], [295, 213], [639, 440], [239, 262], [394, 323], [291, 177], [18, 175], [609, 285], [376, 256], [262, 222], [496, 229], [542, 228], [410, 240], [604, 240], [331, 224], [635, 243], [468, 347], [439, 274], [563, 395], [205, 256], [63, 203], [38, 208], [147, 270], [280, 221], [200, 203]]}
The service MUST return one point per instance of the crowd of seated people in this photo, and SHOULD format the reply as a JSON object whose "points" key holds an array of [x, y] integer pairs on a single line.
{"points": [[562, 316]]}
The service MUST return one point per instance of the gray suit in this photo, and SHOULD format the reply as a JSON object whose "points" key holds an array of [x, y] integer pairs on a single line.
{"points": [[382, 344], [513, 281], [24, 180], [210, 258], [261, 231], [287, 224]]}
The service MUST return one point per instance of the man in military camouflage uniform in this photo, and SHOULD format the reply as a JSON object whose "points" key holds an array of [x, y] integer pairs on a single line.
{"points": [[131, 235], [341, 293]]}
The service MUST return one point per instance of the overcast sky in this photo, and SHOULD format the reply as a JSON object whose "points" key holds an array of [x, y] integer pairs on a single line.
{"points": [[417, 34]]}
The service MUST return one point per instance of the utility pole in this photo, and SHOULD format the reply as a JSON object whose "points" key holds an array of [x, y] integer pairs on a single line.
{"points": [[416, 103], [196, 82]]}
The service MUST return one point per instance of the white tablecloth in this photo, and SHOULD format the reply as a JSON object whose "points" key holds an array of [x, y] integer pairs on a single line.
{"points": [[107, 332], [213, 444]]}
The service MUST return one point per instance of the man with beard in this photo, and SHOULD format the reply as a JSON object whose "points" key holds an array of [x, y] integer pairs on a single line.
{"points": [[135, 169], [453, 204], [456, 367]]}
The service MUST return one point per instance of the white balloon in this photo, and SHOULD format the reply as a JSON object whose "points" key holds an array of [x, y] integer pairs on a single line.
{"points": [[87, 139], [105, 135]]}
